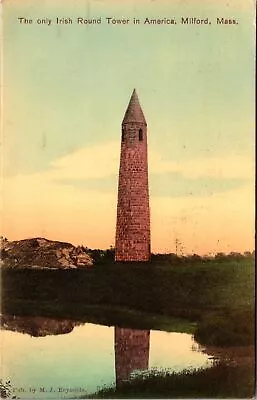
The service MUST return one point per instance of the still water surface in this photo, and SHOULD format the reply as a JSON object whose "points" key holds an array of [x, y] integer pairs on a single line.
{"points": [[46, 358]]}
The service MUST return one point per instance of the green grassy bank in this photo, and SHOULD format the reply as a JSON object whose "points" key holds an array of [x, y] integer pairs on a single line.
{"points": [[221, 381], [219, 296]]}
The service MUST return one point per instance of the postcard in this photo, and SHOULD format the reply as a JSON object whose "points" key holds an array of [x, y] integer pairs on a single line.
{"points": [[127, 199]]}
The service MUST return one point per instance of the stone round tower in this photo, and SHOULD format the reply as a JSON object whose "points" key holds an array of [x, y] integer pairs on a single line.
{"points": [[133, 213]]}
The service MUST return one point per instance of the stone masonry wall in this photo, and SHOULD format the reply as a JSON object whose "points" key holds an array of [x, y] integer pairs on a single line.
{"points": [[133, 213]]}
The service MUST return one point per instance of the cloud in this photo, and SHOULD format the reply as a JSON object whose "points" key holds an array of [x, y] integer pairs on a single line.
{"points": [[169, 184], [222, 167], [98, 161], [102, 160], [96, 168], [173, 184]]}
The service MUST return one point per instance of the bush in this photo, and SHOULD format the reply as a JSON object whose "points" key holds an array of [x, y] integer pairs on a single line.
{"points": [[227, 329]]}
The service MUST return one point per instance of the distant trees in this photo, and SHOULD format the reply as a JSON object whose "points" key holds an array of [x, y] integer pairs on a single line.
{"points": [[101, 256], [173, 258], [108, 257], [233, 255]]}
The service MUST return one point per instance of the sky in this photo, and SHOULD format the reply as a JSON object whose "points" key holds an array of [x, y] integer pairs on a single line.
{"points": [[65, 91]]}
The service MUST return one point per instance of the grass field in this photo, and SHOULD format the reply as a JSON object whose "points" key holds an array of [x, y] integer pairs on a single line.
{"points": [[216, 298]]}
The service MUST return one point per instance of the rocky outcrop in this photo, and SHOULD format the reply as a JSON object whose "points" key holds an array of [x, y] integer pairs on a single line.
{"points": [[43, 253]]}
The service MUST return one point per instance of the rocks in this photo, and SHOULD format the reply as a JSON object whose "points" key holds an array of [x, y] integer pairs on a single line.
{"points": [[42, 253]]}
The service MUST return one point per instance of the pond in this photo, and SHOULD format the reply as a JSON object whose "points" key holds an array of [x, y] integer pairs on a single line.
{"points": [[47, 358]]}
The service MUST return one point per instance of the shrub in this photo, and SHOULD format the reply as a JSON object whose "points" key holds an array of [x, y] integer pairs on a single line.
{"points": [[227, 329]]}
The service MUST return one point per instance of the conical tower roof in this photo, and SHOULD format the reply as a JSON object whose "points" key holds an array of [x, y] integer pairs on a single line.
{"points": [[134, 111]]}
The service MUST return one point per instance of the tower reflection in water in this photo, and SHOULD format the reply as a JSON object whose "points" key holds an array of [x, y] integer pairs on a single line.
{"points": [[131, 352]]}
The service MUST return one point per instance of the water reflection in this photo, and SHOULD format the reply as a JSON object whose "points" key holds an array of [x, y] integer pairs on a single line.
{"points": [[37, 326], [61, 354], [131, 352]]}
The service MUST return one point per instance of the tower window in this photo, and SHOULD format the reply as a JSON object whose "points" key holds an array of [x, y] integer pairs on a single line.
{"points": [[123, 135], [140, 134]]}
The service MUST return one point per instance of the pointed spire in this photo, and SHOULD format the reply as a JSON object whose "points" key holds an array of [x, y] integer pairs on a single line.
{"points": [[134, 111]]}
